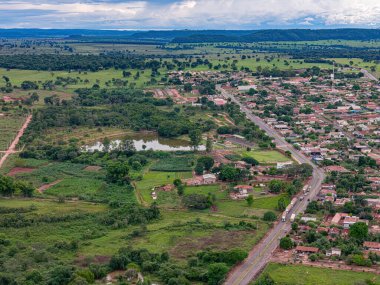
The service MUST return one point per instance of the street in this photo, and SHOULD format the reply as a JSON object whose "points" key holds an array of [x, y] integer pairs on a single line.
{"points": [[259, 256]]}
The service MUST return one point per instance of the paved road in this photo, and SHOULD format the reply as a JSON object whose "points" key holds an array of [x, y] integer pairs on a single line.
{"points": [[260, 255], [12, 147], [369, 75]]}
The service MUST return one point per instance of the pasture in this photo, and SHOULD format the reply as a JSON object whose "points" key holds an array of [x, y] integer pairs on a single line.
{"points": [[266, 156], [290, 274]]}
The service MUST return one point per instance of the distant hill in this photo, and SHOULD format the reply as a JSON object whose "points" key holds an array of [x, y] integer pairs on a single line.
{"points": [[61, 33], [195, 36], [285, 35]]}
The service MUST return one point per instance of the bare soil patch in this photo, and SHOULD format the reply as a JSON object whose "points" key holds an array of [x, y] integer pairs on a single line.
{"points": [[85, 261], [220, 240], [47, 186], [92, 168], [16, 170]]}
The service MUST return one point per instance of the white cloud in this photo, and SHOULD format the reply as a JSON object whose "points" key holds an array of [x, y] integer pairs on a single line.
{"points": [[189, 13]]}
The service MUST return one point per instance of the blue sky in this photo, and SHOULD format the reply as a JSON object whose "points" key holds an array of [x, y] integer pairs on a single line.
{"points": [[189, 14]]}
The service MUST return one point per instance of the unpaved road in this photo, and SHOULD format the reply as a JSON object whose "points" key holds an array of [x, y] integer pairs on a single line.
{"points": [[260, 255], [12, 147]]}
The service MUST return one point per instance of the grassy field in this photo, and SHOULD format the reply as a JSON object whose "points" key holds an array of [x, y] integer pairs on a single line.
{"points": [[152, 179], [266, 156], [9, 126], [306, 275]]}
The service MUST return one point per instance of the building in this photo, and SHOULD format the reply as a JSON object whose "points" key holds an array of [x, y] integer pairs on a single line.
{"points": [[281, 165], [209, 178], [334, 252], [372, 246], [241, 192], [306, 249]]}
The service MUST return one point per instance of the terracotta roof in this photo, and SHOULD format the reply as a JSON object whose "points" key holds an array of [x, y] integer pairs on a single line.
{"points": [[371, 244], [307, 248]]}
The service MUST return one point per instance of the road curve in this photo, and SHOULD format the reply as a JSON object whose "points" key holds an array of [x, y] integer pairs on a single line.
{"points": [[259, 256]]}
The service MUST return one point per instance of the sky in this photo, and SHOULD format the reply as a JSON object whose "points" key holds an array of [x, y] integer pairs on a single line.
{"points": [[189, 14]]}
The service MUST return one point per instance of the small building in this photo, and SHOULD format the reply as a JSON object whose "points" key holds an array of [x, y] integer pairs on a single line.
{"points": [[241, 192], [349, 221], [372, 246], [334, 252], [308, 219], [209, 178], [306, 249], [281, 165]]}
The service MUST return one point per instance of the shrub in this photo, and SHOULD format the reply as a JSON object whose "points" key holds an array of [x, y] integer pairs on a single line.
{"points": [[269, 216]]}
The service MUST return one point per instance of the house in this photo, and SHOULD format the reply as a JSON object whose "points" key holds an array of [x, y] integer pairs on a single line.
{"points": [[209, 178], [342, 201], [249, 188], [241, 192], [334, 252], [336, 168], [308, 219], [337, 218], [372, 246], [281, 165], [349, 221], [306, 249]]}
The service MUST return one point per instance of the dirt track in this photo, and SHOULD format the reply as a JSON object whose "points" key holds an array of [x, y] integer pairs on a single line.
{"points": [[12, 147]]}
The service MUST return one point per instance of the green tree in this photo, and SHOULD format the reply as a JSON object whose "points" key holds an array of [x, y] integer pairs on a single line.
{"points": [[117, 172], [209, 144], [281, 204], [249, 200], [286, 243], [269, 216], [195, 136], [359, 231], [216, 273], [206, 161]]}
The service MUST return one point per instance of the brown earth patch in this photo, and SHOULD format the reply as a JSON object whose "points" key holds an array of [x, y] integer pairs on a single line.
{"points": [[92, 168], [85, 261], [47, 186], [219, 240], [16, 170]]}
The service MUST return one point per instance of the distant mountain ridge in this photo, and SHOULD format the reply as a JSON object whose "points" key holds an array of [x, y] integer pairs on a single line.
{"points": [[287, 35], [197, 36]]}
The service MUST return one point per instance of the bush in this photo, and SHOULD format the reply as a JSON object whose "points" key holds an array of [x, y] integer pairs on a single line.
{"points": [[216, 273], [197, 201], [269, 216], [286, 243]]}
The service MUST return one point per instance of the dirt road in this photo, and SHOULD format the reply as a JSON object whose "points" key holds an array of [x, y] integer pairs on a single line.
{"points": [[12, 147]]}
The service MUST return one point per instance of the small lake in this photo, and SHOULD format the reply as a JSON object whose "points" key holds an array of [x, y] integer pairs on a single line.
{"points": [[147, 142]]}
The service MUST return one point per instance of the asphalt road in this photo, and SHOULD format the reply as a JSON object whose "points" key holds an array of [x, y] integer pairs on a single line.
{"points": [[260, 255], [369, 75]]}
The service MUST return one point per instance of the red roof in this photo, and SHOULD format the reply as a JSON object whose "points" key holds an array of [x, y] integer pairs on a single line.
{"points": [[307, 248], [371, 244]]}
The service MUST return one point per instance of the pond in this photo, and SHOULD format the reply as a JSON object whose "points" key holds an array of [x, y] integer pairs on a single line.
{"points": [[147, 142]]}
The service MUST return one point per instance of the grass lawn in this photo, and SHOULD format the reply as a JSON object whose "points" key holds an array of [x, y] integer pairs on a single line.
{"points": [[266, 156], [306, 275], [152, 179]]}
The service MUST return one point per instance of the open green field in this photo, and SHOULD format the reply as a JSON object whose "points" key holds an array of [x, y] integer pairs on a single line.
{"points": [[359, 63], [85, 79], [153, 179], [266, 156], [306, 275], [9, 126]]}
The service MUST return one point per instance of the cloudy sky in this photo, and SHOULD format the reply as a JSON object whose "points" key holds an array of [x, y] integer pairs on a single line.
{"points": [[189, 14]]}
